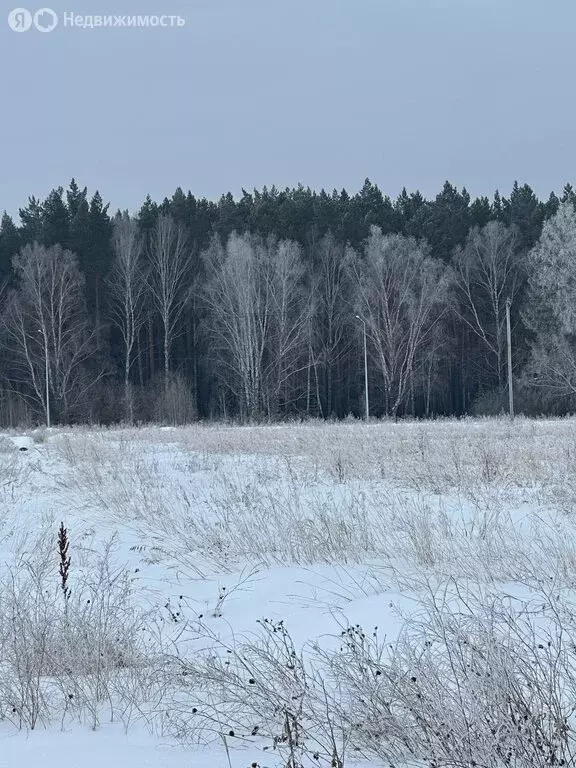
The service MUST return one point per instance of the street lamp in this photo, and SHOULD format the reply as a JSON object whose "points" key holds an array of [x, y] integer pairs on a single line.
{"points": [[47, 374], [367, 407]]}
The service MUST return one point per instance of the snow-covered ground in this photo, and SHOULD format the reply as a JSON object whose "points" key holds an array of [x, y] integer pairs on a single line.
{"points": [[235, 590]]}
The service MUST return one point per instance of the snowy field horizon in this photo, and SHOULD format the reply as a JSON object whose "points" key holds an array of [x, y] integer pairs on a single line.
{"points": [[292, 595]]}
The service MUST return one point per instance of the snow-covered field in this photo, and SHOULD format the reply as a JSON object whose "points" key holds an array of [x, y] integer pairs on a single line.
{"points": [[391, 594]]}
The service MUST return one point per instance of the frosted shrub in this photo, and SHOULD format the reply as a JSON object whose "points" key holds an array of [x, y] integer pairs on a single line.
{"points": [[472, 681], [68, 640]]}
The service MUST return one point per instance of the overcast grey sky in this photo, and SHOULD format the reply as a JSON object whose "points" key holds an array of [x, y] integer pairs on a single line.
{"points": [[323, 92]]}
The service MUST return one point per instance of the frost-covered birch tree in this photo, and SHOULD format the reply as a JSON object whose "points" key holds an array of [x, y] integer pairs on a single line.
{"points": [[46, 327], [487, 272], [238, 303], [257, 318], [402, 296], [550, 309], [169, 256], [289, 310], [127, 287]]}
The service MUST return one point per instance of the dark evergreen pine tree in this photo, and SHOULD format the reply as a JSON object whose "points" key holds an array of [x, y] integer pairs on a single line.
{"points": [[97, 255], [203, 216], [371, 208], [296, 219], [498, 207], [551, 206], [327, 213], [444, 223], [265, 211], [55, 220], [10, 242], [245, 211], [31, 218], [228, 216], [525, 211], [480, 212], [80, 230], [75, 197], [179, 207], [148, 215], [164, 207], [408, 206], [568, 195]]}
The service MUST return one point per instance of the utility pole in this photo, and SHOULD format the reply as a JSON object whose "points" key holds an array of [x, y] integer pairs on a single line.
{"points": [[509, 340], [367, 402], [47, 390], [47, 375]]}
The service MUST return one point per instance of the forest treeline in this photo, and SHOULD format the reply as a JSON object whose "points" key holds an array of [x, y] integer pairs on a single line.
{"points": [[257, 307]]}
